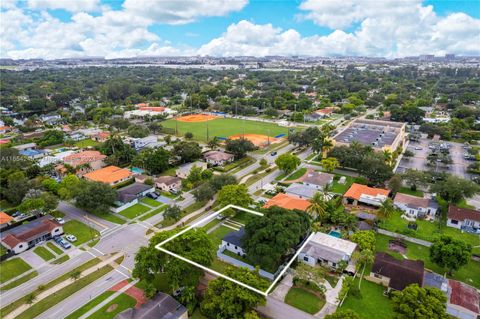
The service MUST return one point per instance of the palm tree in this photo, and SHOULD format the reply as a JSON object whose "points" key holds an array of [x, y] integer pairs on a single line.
{"points": [[388, 157], [31, 298], [213, 143], [327, 145], [75, 275], [363, 258], [387, 209], [318, 207]]}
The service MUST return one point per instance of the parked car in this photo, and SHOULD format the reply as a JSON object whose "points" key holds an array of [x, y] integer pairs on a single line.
{"points": [[71, 238], [220, 217], [57, 239], [273, 153], [65, 244], [60, 220], [152, 195], [418, 148], [16, 214], [174, 192]]}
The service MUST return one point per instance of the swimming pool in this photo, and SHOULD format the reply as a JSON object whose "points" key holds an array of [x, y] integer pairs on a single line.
{"points": [[136, 170], [335, 233]]}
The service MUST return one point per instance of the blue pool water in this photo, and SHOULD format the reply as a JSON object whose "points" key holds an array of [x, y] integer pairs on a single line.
{"points": [[335, 234], [137, 170]]}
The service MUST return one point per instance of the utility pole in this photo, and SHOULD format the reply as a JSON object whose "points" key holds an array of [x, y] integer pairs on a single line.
{"points": [[207, 129]]}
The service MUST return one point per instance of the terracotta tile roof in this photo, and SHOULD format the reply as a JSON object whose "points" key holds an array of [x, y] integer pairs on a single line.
{"points": [[464, 296], [83, 158], [4, 141], [11, 241], [463, 213], [5, 218], [152, 108], [102, 135], [109, 174], [30, 231], [5, 128], [401, 272], [141, 104], [356, 190], [327, 110], [288, 202]]}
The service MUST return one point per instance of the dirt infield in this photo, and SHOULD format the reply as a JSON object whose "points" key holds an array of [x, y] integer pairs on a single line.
{"points": [[196, 118], [257, 139]]}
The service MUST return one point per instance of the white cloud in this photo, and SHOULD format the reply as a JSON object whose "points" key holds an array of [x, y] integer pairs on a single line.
{"points": [[69, 5], [181, 11]]}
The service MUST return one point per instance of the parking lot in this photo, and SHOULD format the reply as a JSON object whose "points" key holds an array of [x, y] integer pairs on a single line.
{"points": [[421, 150]]}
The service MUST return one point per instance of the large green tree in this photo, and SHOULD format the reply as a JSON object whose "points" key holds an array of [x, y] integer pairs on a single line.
{"points": [[117, 151], [154, 161], [187, 151], [239, 147], [287, 162], [450, 253], [95, 197], [454, 189], [235, 195], [226, 299], [415, 302]]}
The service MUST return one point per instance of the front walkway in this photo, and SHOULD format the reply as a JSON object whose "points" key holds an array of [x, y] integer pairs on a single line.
{"points": [[283, 287]]}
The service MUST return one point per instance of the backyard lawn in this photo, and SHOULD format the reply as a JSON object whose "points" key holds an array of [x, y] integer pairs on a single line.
{"points": [[297, 174], [428, 230], [304, 300], [341, 188], [12, 268], [83, 232], [469, 273], [372, 305], [134, 211], [44, 253], [123, 302], [217, 235], [151, 202], [407, 190], [86, 143]]}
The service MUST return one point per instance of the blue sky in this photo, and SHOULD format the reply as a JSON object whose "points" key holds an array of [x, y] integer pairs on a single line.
{"points": [[238, 27]]}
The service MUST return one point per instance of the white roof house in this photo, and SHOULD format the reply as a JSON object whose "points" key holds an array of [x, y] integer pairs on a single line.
{"points": [[184, 170]]}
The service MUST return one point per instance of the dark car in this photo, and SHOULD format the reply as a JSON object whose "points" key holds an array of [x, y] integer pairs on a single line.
{"points": [[153, 195], [273, 153], [57, 239]]}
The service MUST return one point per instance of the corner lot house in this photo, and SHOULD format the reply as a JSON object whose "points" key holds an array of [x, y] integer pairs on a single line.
{"points": [[163, 306], [184, 170], [362, 194], [218, 158], [397, 274], [26, 236], [233, 242], [168, 183], [110, 175], [327, 250], [85, 161], [464, 219], [129, 195], [414, 206], [287, 202]]}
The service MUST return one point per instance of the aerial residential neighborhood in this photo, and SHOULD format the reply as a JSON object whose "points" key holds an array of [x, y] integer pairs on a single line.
{"points": [[239, 159]]}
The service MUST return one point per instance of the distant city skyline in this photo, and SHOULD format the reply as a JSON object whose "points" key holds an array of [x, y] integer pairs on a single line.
{"points": [[52, 29]]}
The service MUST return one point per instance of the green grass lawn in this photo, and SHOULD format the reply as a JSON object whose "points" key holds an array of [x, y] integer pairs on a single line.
{"points": [[296, 174], [223, 127], [407, 190], [12, 268], [304, 300], [341, 188], [86, 143], [20, 281], [242, 217], [428, 230], [151, 202], [134, 211], [55, 248], [110, 217], [123, 302], [61, 260], [50, 301], [44, 253], [83, 232], [91, 304], [372, 304], [3, 250], [257, 177], [153, 213], [217, 235], [469, 273], [57, 214]]}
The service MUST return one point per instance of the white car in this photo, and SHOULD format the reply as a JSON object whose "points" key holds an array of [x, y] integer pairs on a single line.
{"points": [[60, 220], [71, 238], [418, 148]]}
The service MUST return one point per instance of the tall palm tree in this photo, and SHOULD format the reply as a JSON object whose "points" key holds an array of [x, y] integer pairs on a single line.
{"points": [[318, 207], [327, 145], [213, 143], [387, 209], [363, 258], [388, 156]]}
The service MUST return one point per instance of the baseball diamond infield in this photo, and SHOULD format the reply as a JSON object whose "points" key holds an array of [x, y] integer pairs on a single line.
{"points": [[224, 128], [256, 139]]}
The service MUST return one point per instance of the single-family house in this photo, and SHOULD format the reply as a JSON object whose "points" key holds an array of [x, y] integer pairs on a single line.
{"points": [[147, 141], [362, 194], [288, 202], [464, 219], [301, 190], [26, 236], [85, 161], [327, 250], [169, 183], [463, 300], [162, 306], [33, 154], [25, 147], [317, 180], [414, 206], [129, 195], [396, 274], [218, 158], [5, 220], [110, 175], [233, 242], [184, 170], [101, 136], [5, 129]]}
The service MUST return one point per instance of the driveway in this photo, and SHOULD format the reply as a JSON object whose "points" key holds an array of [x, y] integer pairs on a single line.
{"points": [[279, 310], [32, 259]]}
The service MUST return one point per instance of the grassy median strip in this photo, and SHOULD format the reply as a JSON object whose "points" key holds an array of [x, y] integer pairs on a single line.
{"points": [[20, 281], [50, 301], [61, 260], [90, 305], [56, 249], [44, 253]]}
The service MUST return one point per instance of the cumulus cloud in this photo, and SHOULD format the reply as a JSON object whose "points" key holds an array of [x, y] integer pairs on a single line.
{"points": [[69, 5], [181, 11]]}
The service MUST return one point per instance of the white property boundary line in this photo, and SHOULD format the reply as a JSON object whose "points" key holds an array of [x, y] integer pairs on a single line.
{"points": [[216, 273]]}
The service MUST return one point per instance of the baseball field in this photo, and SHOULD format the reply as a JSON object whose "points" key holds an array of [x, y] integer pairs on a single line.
{"points": [[223, 127]]}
